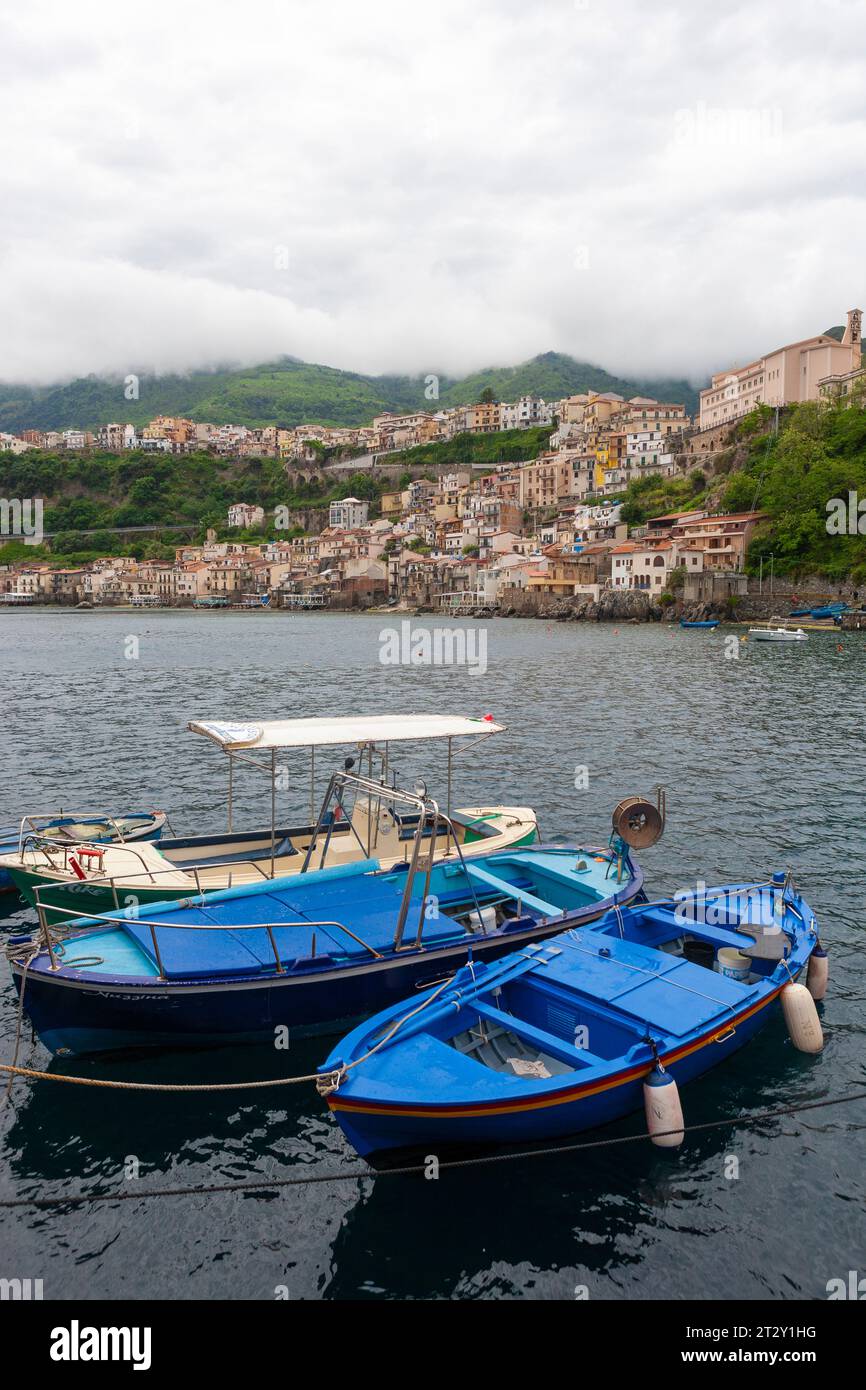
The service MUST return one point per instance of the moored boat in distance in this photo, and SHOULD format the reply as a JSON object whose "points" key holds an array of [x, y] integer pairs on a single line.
{"points": [[581, 1029], [778, 634], [829, 610], [706, 622], [353, 823]]}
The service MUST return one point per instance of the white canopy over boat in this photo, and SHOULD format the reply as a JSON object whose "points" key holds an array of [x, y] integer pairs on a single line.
{"points": [[372, 734], [361, 730]]}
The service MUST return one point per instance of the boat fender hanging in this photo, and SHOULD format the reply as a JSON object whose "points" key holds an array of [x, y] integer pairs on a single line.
{"points": [[801, 1017], [818, 973], [664, 1113]]}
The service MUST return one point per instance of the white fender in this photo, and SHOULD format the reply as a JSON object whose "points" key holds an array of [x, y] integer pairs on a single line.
{"points": [[801, 1016], [818, 973], [664, 1113]]}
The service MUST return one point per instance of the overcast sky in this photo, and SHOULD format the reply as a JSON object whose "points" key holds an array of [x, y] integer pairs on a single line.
{"points": [[402, 186]]}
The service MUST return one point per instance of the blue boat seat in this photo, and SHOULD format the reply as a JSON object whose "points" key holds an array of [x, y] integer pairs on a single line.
{"points": [[479, 875], [545, 1042], [718, 936]]}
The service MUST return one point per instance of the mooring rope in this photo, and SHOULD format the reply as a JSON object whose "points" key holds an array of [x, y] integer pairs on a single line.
{"points": [[26, 962], [324, 1081], [413, 1170]]}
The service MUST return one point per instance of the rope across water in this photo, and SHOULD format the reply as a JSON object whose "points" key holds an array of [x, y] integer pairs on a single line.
{"points": [[412, 1170]]}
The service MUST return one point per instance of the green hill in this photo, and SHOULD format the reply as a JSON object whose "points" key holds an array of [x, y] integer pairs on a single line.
{"points": [[289, 393], [553, 375]]}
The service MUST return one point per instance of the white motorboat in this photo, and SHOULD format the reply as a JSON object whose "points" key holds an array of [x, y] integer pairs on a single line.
{"points": [[347, 831], [778, 634]]}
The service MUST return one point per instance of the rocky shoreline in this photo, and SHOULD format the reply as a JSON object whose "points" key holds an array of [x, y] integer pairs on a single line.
{"points": [[630, 606]]}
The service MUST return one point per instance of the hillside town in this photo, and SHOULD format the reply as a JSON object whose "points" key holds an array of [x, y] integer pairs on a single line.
{"points": [[387, 433], [466, 540]]}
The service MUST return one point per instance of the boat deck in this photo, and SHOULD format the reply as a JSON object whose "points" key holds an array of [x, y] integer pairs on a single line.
{"points": [[371, 917], [616, 990]]}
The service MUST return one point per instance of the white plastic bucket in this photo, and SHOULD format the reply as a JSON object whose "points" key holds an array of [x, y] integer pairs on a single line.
{"points": [[733, 963]]}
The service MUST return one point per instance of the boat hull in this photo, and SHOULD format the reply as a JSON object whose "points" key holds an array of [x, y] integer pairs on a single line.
{"points": [[84, 1010], [372, 1129], [80, 1017]]}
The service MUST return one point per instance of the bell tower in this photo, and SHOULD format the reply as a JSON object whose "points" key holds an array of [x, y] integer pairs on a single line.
{"points": [[851, 336]]}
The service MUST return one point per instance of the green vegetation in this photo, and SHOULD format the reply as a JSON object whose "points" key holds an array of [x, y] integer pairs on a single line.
{"points": [[655, 496], [289, 393], [818, 454], [477, 450], [554, 375], [101, 492]]}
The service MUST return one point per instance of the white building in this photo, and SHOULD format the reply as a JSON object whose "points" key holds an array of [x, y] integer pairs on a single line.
{"points": [[348, 514], [643, 443], [647, 567], [11, 444], [246, 515], [528, 411]]}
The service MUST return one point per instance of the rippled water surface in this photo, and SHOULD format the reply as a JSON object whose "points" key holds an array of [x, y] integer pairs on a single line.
{"points": [[764, 764]]}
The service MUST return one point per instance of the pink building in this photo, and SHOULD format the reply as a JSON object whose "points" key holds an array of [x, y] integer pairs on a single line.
{"points": [[784, 377]]}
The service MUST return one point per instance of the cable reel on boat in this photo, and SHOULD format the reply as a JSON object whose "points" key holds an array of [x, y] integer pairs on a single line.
{"points": [[638, 822]]}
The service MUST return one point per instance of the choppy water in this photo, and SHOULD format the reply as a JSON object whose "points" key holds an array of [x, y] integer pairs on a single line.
{"points": [[764, 763]]}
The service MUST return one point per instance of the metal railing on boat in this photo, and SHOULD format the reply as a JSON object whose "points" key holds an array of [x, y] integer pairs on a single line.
{"points": [[129, 880], [33, 835], [113, 920], [429, 815]]}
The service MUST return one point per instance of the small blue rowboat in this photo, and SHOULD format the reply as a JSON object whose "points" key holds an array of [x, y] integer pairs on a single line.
{"points": [[562, 1036], [708, 622], [302, 950], [79, 829], [830, 610]]}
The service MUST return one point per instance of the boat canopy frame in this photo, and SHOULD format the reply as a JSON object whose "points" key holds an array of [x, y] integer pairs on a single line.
{"points": [[369, 734], [428, 813]]}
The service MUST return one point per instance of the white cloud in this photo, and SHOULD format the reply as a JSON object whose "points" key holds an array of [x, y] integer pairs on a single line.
{"points": [[426, 188]]}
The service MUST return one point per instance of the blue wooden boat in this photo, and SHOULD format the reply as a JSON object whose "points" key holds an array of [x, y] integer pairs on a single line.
{"points": [[302, 951], [830, 610], [54, 832], [562, 1036], [800, 613], [708, 622]]}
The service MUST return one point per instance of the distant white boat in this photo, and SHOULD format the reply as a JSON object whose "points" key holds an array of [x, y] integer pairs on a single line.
{"points": [[778, 634]]}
